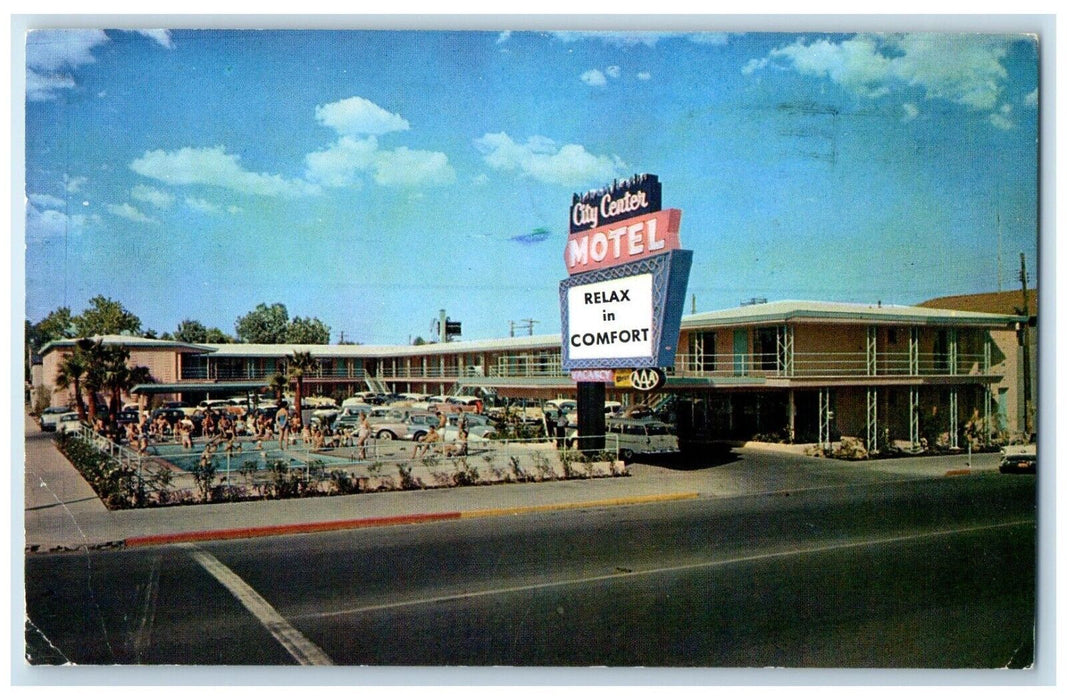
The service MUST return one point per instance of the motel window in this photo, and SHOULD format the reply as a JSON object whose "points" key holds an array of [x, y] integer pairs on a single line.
{"points": [[941, 351], [766, 348]]}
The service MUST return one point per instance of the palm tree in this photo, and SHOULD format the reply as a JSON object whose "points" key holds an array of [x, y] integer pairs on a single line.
{"points": [[120, 378], [278, 384], [72, 371], [298, 364], [109, 373], [93, 350]]}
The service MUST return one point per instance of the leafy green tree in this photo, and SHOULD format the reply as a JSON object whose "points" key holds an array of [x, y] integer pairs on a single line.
{"points": [[56, 325], [105, 317], [298, 364], [308, 331], [265, 324], [215, 335], [190, 331]]}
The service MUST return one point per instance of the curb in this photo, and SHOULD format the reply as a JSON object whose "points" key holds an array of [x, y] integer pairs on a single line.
{"points": [[304, 528]]}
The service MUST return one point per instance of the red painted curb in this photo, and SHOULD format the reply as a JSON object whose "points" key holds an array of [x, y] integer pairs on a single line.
{"points": [[269, 530], [957, 472]]}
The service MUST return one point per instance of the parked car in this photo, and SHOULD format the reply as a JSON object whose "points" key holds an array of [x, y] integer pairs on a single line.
{"points": [[172, 415], [68, 422], [326, 411], [216, 404], [127, 416], [347, 421], [1018, 459], [479, 427], [355, 410], [641, 436], [565, 405], [50, 416], [524, 410], [388, 423], [418, 424], [465, 403]]}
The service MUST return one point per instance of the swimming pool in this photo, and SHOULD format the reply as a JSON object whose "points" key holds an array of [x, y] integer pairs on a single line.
{"points": [[247, 457]]}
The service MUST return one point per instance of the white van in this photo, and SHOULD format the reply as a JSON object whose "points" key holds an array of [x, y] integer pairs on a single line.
{"points": [[641, 436]]}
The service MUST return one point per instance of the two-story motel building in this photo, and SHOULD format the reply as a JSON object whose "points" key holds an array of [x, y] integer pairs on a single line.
{"points": [[799, 370]]}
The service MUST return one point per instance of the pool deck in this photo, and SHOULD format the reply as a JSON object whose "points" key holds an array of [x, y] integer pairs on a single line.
{"points": [[62, 513]]}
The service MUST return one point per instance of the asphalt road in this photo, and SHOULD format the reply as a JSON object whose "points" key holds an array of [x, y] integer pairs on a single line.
{"points": [[924, 573]]}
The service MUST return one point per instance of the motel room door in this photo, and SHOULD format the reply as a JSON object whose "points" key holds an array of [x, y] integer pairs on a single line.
{"points": [[740, 352]]}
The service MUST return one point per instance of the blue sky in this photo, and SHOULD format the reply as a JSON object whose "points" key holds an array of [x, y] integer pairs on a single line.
{"points": [[372, 178]]}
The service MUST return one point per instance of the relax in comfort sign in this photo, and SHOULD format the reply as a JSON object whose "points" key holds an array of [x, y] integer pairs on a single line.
{"points": [[611, 319], [621, 306]]}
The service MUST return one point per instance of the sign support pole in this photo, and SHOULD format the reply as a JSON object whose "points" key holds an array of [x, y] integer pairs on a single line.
{"points": [[591, 425]]}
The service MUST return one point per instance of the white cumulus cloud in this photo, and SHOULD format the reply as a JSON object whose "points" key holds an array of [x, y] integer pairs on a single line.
{"points": [[41, 88], [157, 198], [201, 205], [405, 167], [46, 201], [160, 36], [345, 161], [593, 77], [52, 55], [357, 116], [966, 69], [1002, 118], [540, 158], [53, 49], [128, 211], [74, 183], [43, 224], [339, 165], [215, 167]]}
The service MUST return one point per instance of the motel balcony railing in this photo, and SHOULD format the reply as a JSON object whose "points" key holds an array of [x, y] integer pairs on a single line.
{"points": [[239, 374], [828, 365], [517, 367], [802, 365]]}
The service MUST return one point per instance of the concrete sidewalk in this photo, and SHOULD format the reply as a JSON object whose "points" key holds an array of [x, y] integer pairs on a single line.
{"points": [[62, 512]]}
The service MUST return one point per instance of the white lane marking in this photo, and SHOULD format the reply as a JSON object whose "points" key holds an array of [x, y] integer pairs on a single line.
{"points": [[306, 652], [666, 569]]}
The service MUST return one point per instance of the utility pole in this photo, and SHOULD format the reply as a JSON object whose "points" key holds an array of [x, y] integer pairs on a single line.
{"points": [[1024, 342], [1000, 285], [527, 323]]}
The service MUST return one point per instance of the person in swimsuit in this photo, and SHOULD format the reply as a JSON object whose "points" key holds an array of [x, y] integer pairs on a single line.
{"points": [[281, 419]]}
